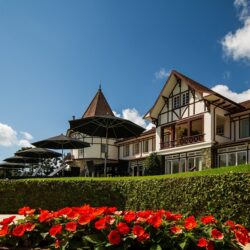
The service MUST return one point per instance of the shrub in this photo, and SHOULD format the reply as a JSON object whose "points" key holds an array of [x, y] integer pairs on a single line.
{"points": [[153, 165], [225, 196], [99, 228]]}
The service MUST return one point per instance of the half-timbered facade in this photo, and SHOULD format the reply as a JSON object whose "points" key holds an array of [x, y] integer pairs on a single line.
{"points": [[192, 124]]}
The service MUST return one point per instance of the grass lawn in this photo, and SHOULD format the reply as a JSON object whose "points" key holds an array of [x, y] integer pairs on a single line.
{"points": [[211, 171]]}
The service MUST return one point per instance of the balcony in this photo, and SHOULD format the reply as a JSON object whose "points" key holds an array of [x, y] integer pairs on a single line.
{"points": [[187, 140]]}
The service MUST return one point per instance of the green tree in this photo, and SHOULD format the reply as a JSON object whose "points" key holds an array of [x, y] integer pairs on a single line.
{"points": [[153, 165]]}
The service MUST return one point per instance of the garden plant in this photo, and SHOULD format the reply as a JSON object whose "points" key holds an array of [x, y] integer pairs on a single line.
{"points": [[100, 228]]}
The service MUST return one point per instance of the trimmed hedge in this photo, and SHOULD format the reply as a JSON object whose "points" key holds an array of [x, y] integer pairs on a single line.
{"points": [[226, 196]]}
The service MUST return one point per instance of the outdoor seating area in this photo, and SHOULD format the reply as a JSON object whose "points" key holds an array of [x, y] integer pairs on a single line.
{"points": [[41, 161]]}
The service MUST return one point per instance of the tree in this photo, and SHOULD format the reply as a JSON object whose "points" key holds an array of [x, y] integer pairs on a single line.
{"points": [[153, 165]]}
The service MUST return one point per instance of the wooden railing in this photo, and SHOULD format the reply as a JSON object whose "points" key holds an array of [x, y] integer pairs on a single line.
{"points": [[183, 141]]}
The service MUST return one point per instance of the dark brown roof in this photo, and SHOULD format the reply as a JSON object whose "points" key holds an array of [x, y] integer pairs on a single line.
{"points": [[193, 84], [246, 104], [98, 106], [198, 87], [150, 132]]}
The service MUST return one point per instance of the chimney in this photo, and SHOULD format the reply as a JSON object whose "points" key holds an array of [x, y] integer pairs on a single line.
{"points": [[73, 117]]}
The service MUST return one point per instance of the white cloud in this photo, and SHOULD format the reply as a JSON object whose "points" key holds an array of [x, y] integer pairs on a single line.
{"points": [[237, 97], [134, 116], [27, 136], [237, 44], [24, 143], [161, 74], [9, 137]]}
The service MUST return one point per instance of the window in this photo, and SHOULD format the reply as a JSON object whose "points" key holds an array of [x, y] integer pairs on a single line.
{"points": [[244, 128], [185, 99], [241, 158], [182, 165], [222, 160], [231, 159], [126, 150], [176, 102], [168, 165], [136, 148], [145, 146], [175, 166], [153, 144]]}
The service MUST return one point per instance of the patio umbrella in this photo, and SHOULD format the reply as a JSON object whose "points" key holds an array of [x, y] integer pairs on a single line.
{"points": [[108, 126], [21, 159], [61, 142], [38, 153], [12, 165]]}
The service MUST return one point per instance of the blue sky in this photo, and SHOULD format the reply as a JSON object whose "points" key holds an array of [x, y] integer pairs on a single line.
{"points": [[53, 55]]}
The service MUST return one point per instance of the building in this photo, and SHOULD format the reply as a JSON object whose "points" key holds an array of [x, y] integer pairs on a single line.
{"points": [[196, 128]]}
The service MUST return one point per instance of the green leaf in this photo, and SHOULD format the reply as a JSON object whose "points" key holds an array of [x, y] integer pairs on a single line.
{"points": [[93, 238], [183, 244], [155, 247]]}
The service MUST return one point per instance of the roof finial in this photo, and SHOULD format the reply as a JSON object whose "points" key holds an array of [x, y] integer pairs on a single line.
{"points": [[100, 85]]}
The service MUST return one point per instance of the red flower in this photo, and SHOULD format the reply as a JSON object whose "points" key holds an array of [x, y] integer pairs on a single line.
{"points": [[19, 230], [114, 237], [174, 217], [64, 211], [123, 228], [129, 216], [176, 229], [230, 223], [7, 221], [190, 223], [54, 230], [216, 234], [202, 242], [242, 234], [73, 215], [29, 226], [4, 230], [111, 210], [138, 230], [208, 219], [45, 216], [155, 221], [71, 226], [143, 237], [101, 224], [84, 219], [26, 211]]}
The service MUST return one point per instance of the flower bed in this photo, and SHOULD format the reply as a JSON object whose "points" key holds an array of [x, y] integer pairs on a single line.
{"points": [[105, 227]]}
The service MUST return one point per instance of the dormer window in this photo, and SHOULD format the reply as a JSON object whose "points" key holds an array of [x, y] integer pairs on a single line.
{"points": [[176, 103]]}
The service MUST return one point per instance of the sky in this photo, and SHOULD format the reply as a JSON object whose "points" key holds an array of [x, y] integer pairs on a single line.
{"points": [[53, 55]]}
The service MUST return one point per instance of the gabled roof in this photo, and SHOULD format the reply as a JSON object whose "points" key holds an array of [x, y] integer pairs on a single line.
{"points": [[98, 106], [206, 92]]}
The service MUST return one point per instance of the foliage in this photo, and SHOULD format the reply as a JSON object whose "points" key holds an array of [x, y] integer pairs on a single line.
{"points": [[224, 195], [153, 164], [86, 227]]}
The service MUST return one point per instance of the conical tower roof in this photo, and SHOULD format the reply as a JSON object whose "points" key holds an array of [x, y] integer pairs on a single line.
{"points": [[98, 106]]}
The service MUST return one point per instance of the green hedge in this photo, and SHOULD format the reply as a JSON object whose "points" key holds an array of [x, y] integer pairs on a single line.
{"points": [[226, 195]]}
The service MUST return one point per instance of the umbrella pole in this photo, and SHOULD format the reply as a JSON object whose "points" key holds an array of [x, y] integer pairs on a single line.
{"points": [[106, 154]]}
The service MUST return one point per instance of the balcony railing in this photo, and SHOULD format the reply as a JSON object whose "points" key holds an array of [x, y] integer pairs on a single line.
{"points": [[183, 141]]}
